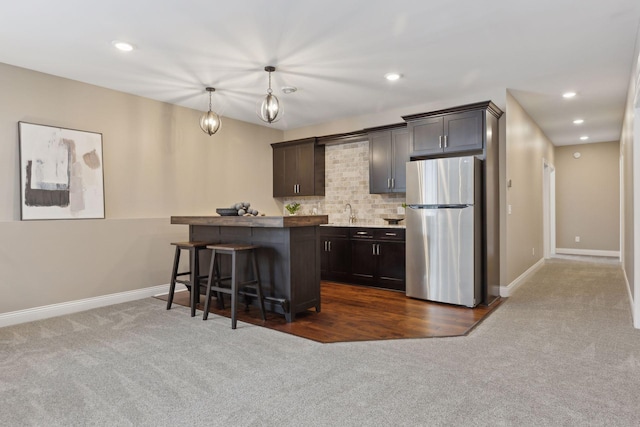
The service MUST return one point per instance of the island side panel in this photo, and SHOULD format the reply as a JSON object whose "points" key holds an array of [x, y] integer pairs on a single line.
{"points": [[305, 268]]}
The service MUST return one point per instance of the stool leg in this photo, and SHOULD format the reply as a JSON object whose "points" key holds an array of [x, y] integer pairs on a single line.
{"points": [[195, 287], [207, 302], [256, 275], [174, 273], [234, 291], [220, 295]]}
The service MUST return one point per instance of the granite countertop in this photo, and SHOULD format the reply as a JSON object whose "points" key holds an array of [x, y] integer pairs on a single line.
{"points": [[362, 225], [253, 221]]}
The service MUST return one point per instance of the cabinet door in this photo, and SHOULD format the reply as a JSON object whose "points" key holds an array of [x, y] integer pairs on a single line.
{"points": [[426, 136], [304, 170], [339, 259], [399, 159], [391, 265], [325, 272], [380, 154], [279, 168], [363, 261], [463, 131], [290, 170]]}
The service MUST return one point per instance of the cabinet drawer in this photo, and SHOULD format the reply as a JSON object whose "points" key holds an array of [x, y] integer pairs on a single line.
{"points": [[389, 234], [362, 233], [326, 231]]}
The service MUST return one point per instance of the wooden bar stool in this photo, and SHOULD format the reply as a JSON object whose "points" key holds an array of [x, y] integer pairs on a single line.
{"points": [[215, 281], [194, 249]]}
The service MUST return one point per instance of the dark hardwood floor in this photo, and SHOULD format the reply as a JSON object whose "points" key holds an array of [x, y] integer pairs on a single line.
{"points": [[356, 313]]}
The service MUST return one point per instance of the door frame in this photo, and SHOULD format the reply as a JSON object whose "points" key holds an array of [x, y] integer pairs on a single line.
{"points": [[548, 208]]}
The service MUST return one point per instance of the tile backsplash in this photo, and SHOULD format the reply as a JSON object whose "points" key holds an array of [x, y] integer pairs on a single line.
{"points": [[347, 181]]}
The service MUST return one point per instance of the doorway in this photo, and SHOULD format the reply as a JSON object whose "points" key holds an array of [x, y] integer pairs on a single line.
{"points": [[549, 208]]}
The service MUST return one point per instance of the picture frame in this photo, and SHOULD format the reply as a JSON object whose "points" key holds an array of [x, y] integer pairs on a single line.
{"points": [[61, 173]]}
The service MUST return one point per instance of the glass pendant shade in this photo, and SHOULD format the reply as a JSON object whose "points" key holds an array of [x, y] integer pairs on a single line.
{"points": [[269, 110], [210, 121]]}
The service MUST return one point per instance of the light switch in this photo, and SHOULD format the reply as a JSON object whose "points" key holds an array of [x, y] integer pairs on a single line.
{"points": [[509, 209]]}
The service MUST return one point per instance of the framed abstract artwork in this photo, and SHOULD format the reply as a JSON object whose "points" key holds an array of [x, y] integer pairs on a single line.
{"points": [[61, 173]]}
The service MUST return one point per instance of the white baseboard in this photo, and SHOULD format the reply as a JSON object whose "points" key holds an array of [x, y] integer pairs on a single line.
{"points": [[53, 310], [588, 252], [507, 291]]}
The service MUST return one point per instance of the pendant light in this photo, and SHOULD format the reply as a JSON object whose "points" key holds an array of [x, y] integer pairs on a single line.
{"points": [[210, 121], [269, 109]]}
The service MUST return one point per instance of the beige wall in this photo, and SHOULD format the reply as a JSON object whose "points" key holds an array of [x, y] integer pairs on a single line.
{"points": [[588, 196], [157, 163], [526, 147]]}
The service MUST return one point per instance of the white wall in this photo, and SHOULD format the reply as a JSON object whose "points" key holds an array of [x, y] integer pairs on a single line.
{"points": [[630, 161]]}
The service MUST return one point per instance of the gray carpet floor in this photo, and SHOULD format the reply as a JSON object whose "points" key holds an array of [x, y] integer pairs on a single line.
{"points": [[560, 351]]}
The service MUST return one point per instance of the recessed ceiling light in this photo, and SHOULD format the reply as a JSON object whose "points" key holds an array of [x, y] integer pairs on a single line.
{"points": [[392, 77], [123, 46], [578, 121], [289, 89], [584, 138], [568, 95]]}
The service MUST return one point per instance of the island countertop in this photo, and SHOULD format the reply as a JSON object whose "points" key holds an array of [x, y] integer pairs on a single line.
{"points": [[253, 221]]}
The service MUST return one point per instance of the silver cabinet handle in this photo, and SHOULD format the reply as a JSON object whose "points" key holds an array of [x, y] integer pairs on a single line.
{"points": [[393, 183], [361, 232], [390, 234], [325, 246], [329, 245], [440, 140], [445, 141], [373, 246]]}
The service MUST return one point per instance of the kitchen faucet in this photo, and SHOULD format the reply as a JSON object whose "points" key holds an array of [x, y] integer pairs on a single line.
{"points": [[352, 217]]}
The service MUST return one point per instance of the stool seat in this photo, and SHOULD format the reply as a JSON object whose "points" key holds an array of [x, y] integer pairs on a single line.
{"points": [[215, 280], [191, 244], [195, 279], [232, 247]]}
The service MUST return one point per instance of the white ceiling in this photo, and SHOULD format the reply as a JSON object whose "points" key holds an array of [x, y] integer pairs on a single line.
{"points": [[337, 51]]}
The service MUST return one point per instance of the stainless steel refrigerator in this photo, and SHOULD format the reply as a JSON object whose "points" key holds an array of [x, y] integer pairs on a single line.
{"points": [[444, 230]]}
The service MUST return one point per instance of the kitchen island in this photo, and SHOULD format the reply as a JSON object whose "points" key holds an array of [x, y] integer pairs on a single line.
{"points": [[288, 258]]}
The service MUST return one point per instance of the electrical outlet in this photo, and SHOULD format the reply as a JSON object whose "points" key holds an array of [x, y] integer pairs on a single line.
{"points": [[577, 239], [509, 209]]}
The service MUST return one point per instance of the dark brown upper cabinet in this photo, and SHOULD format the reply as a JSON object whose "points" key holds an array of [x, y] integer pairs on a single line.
{"points": [[298, 168], [388, 155], [452, 131]]}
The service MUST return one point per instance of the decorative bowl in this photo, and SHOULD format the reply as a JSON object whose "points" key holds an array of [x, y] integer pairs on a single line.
{"points": [[393, 221], [227, 212]]}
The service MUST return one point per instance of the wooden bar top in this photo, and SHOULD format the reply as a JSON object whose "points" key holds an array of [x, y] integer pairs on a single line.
{"points": [[253, 221]]}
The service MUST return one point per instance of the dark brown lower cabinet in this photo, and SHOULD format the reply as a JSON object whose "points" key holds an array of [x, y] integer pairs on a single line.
{"points": [[375, 256], [335, 254]]}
